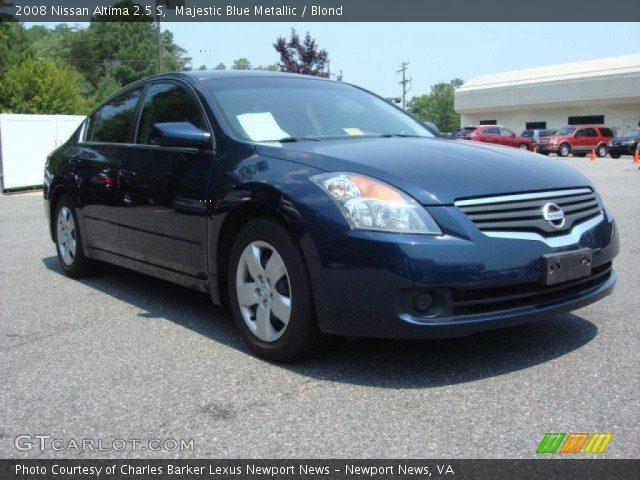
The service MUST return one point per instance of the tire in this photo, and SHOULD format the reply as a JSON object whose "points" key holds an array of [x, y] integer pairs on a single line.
{"points": [[579, 154], [68, 239], [601, 151], [257, 278], [614, 155], [564, 150], [523, 146]]}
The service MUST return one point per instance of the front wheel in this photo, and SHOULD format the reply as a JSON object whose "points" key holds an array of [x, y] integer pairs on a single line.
{"points": [[523, 146], [69, 241], [270, 292], [564, 150]]}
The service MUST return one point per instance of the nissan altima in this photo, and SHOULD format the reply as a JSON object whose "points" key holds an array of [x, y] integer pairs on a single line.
{"points": [[314, 207]]}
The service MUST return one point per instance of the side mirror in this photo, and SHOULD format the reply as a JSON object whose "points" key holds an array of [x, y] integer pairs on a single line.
{"points": [[179, 134], [513, 135]]}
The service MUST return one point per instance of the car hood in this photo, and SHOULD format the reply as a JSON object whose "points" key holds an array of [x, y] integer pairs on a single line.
{"points": [[433, 171]]}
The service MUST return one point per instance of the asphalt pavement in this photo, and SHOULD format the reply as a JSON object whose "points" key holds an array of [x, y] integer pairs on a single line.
{"points": [[122, 356]]}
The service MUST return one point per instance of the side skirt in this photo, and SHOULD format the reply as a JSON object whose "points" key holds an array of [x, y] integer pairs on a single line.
{"points": [[172, 276]]}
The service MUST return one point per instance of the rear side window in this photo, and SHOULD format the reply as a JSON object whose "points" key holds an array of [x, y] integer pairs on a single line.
{"points": [[166, 103], [491, 131], [115, 119], [590, 132], [606, 132]]}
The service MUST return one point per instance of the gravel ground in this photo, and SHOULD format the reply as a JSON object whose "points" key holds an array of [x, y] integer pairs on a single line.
{"points": [[124, 356]]}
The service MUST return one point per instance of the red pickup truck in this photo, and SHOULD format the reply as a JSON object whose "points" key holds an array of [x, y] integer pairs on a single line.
{"points": [[496, 134], [577, 139]]}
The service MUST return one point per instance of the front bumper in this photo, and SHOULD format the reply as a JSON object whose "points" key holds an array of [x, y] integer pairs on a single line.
{"points": [[621, 149], [364, 283], [547, 148]]}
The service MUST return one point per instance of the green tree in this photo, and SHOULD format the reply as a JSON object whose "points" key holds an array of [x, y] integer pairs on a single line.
{"points": [[15, 46], [241, 64], [437, 106], [42, 87], [303, 57], [269, 68], [202, 67], [125, 51], [220, 66]]}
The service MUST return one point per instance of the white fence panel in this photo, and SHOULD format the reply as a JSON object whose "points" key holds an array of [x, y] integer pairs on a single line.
{"points": [[25, 142]]}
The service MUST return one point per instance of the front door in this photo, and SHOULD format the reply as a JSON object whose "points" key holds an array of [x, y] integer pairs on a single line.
{"points": [[163, 189]]}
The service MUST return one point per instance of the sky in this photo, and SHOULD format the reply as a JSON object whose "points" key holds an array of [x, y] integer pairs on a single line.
{"points": [[370, 53]]}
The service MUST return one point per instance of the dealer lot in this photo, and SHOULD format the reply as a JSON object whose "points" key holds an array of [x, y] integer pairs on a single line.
{"points": [[127, 357]]}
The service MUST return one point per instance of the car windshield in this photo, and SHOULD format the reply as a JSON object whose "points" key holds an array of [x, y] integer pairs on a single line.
{"points": [[633, 134], [274, 109], [566, 131]]}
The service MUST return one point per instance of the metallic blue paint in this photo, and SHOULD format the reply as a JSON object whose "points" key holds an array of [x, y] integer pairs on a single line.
{"points": [[362, 281]]}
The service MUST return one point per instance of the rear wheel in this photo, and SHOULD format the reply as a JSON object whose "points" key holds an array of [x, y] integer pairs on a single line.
{"points": [[270, 293], [564, 150], [69, 241], [601, 151]]}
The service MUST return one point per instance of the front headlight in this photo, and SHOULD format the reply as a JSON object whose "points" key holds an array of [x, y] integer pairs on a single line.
{"points": [[369, 204]]}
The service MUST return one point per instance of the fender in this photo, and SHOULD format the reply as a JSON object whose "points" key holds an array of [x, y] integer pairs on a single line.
{"points": [[263, 186]]}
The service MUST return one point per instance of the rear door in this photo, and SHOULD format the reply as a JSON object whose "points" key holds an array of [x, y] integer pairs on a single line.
{"points": [[96, 160], [492, 135], [590, 138], [163, 189], [507, 137]]}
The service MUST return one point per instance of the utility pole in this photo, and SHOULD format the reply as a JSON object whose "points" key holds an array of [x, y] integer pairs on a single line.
{"points": [[168, 5], [406, 83]]}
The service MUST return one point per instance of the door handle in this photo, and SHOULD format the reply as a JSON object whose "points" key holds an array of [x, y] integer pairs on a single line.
{"points": [[127, 175]]}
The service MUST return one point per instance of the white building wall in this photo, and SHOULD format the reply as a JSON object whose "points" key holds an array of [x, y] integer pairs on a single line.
{"points": [[608, 86], [620, 117], [25, 142]]}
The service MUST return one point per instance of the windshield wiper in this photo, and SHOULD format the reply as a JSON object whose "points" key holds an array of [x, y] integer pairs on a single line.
{"points": [[294, 139], [400, 135]]}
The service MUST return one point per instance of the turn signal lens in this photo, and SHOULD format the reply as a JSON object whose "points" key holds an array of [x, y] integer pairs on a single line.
{"points": [[369, 204]]}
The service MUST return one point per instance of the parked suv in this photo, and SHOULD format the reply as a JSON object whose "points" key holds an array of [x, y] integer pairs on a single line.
{"points": [[536, 134], [577, 139], [625, 145], [496, 134]]}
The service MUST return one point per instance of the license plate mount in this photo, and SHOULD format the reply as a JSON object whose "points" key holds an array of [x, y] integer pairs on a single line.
{"points": [[566, 266]]}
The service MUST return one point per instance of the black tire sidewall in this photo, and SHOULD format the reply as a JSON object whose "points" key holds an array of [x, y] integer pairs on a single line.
{"points": [[560, 154], [603, 150], [302, 331], [81, 264]]}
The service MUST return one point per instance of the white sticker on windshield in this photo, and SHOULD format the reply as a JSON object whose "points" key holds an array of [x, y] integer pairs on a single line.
{"points": [[261, 126]]}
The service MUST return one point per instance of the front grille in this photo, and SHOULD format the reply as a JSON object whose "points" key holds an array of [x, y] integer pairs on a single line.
{"points": [[483, 300], [524, 212]]}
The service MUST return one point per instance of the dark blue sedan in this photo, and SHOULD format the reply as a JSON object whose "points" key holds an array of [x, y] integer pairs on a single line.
{"points": [[314, 207]]}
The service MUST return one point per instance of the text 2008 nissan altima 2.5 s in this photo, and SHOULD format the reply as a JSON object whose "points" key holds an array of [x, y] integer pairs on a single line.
{"points": [[314, 207]]}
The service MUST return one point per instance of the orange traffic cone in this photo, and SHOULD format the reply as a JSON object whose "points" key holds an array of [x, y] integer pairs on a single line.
{"points": [[636, 156], [593, 155]]}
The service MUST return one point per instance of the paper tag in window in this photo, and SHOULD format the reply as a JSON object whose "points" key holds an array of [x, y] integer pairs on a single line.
{"points": [[353, 131], [261, 126]]}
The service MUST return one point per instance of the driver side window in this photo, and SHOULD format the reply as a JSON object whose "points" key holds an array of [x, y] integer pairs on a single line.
{"points": [[166, 103]]}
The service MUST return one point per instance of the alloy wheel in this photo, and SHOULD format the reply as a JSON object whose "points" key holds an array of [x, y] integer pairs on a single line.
{"points": [[264, 291], [66, 236]]}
